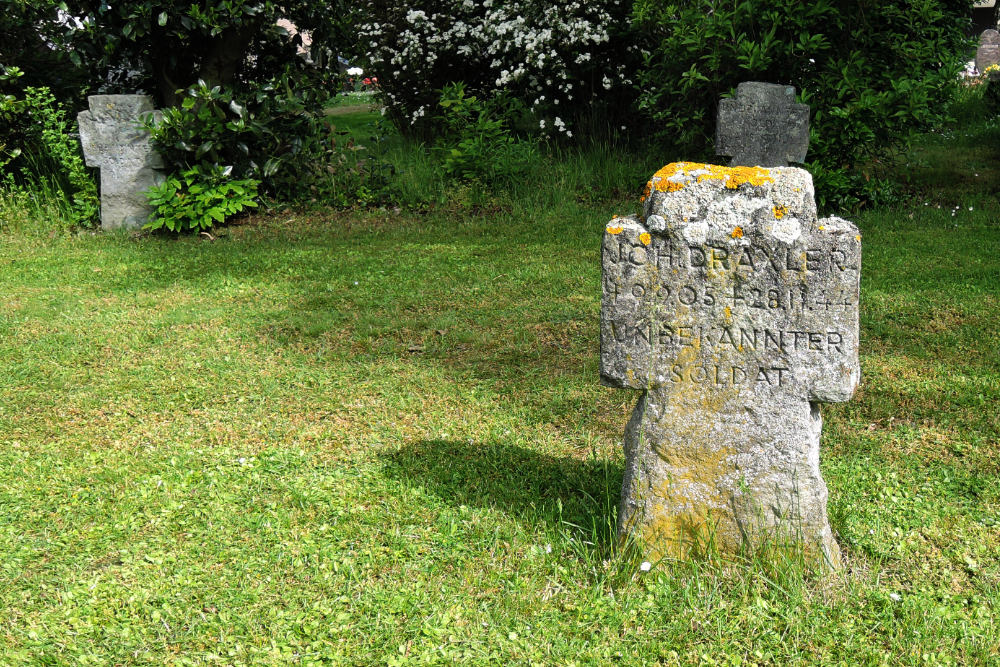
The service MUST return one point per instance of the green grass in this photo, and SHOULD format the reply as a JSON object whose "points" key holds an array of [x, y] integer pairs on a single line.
{"points": [[41, 208], [366, 98], [379, 438]]}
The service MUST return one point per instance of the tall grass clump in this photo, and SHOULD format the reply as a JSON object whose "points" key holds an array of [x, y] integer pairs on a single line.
{"points": [[44, 173], [480, 164], [37, 209]]}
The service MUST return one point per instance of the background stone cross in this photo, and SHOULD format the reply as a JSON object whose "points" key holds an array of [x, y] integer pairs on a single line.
{"points": [[114, 141], [988, 52], [762, 126], [734, 309]]}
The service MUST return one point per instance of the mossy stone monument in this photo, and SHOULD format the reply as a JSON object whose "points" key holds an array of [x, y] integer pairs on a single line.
{"points": [[734, 310]]}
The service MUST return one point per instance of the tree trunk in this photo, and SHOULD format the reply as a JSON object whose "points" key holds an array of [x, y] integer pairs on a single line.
{"points": [[223, 57], [167, 88]]}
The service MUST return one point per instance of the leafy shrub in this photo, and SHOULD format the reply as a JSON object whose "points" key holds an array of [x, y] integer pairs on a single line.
{"points": [[199, 198], [28, 31], [872, 72], [274, 137], [475, 144], [560, 60], [270, 137], [39, 150]]}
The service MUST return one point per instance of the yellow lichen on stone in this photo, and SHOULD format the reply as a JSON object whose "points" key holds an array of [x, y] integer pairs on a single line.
{"points": [[733, 177], [613, 230], [857, 237], [664, 185], [737, 233], [645, 238], [737, 176], [646, 191], [780, 212]]}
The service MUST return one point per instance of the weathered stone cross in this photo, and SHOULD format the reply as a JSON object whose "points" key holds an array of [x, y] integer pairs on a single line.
{"points": [[114, 141], [762, 126], [735, 311], [988, 52]]}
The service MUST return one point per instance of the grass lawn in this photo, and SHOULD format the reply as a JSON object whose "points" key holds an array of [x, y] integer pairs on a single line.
{"points": [[379, 438]]}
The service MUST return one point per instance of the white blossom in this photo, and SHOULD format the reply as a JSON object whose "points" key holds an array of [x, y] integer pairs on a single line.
{"points": [[523, 46]]}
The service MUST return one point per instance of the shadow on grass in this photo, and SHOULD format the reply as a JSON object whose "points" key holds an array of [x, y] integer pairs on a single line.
{"points": [[521, 482]]}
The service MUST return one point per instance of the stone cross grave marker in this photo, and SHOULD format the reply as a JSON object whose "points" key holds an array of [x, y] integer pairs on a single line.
{"points": [[734, 309], [113, 140], [762, 126], [988, 52]]}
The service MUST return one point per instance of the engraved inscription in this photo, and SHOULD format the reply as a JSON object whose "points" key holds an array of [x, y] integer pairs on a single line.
{"points": [[733, 306], [665, 254], [740, 339], [729, 376]]}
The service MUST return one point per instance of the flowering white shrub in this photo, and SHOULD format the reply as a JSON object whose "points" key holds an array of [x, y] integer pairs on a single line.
{"points": [[561, 60]]}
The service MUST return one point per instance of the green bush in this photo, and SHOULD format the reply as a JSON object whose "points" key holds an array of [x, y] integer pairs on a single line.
{"points": [[475, 143], [872, 72], [568, 63], [271, 136], [199, 198], [39, 150]]}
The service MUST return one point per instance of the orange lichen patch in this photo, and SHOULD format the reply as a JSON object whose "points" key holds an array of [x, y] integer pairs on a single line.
{"points": [[646, 191], [737, 176], [613, 230], [733, 177], [645, 238], [857, 237], [737, 233], [780, 211]]}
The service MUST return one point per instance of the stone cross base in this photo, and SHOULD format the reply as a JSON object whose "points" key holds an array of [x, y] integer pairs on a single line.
{"points": [[721, 475]]}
